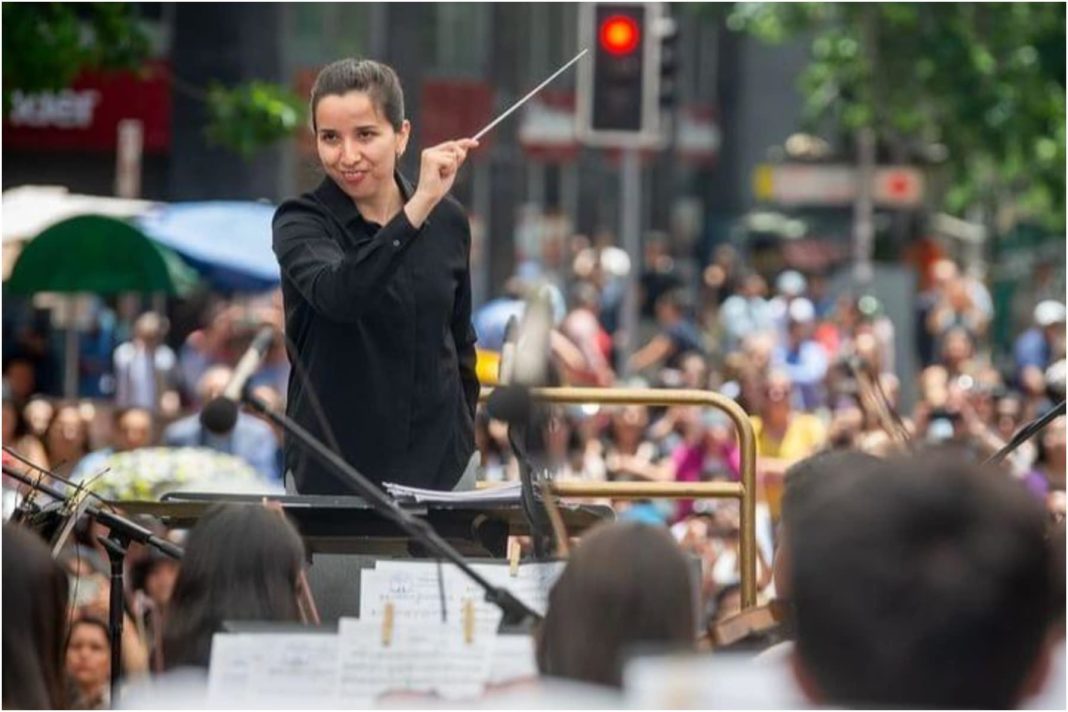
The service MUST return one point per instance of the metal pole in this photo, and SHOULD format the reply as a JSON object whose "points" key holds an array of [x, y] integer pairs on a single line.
{"points": [[630, 213], [131, 142], [864, 209], [70, 341]]}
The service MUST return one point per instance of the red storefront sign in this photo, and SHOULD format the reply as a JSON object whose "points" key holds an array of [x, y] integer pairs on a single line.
{"points": [[86, 116]]}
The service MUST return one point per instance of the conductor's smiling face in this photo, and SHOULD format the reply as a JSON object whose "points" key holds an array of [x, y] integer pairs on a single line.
{"points": [[357, 145]]}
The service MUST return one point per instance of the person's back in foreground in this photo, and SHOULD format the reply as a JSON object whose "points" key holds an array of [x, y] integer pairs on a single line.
{"points": [[926, 585]]}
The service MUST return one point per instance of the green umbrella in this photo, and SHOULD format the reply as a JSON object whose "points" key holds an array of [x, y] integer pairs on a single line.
{"points": [[99, 255]]}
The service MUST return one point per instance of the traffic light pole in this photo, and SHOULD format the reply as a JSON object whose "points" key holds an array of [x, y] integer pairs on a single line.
{"points": [[630, 214]]}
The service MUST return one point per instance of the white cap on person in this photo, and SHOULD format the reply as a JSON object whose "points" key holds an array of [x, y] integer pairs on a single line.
{"points": [[1049, 312], [801, 311], [791, 283]]}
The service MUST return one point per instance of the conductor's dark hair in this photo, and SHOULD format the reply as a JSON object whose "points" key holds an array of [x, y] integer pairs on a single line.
{"points": [[625, 585], [925, 584], [241, 563], [35, 614], [377, 80]]}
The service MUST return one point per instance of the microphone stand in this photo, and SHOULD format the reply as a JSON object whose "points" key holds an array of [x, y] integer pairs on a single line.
{"points": [[516, 613], [525, 429], [522, 434], [121, 531]]}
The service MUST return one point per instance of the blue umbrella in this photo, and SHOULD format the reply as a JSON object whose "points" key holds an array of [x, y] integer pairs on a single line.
{"points": [[228, 242]]}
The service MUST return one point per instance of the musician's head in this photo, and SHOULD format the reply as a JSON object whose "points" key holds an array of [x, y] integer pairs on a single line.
{"points": [[804, 483], [925, 584], [35, 614], [241, 563], [357, 110], [625, 585]]}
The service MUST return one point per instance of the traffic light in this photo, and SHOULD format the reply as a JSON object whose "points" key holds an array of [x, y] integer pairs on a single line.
{"points": [[619, 90]]}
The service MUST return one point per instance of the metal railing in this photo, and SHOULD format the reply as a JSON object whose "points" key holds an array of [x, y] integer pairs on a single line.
{"points": [[744, 491]]}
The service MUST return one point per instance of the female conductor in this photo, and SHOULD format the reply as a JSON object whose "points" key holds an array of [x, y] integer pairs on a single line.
{"points": [[378, 294]]}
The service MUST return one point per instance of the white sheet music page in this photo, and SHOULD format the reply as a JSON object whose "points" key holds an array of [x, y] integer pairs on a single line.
{"points": [[274, 670], [429, 658], [412, 586], [513, 659], [414, 592]]}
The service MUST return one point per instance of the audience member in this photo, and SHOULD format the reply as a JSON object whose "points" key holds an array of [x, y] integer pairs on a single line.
{"points": [[88, 664], [146, 368], [251, 439]]}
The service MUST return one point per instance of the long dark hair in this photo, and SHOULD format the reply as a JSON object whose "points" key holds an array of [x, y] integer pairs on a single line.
{"points": [[625, 585], [241, 562], [35, 611]]}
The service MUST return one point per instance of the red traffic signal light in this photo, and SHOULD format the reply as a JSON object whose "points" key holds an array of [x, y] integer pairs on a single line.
{"points": [[619, 35]]}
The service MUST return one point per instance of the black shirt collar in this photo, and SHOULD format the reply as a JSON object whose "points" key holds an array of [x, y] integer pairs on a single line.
{"points": [[344, 208]]}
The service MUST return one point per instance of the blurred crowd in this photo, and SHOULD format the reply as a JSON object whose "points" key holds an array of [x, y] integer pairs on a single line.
{"points": [[815, 370], [145, 394]]}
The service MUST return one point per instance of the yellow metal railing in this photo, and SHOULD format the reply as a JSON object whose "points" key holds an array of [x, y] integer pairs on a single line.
{"points": [[744, 491]]}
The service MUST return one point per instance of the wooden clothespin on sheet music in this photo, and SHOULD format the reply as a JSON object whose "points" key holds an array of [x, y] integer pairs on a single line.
{"points": [[514, 552], [387, 624], [305, 602], [469, 621]]}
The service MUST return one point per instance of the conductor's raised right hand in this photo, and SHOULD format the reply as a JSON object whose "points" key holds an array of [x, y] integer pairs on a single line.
{"points": [[438, 167]]}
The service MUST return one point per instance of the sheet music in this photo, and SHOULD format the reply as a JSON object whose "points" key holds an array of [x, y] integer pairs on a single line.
{"points": [[508, 493], [531, 584], [416, 597], [412, 586], [273, 669], [513, 659], [420, 658]]}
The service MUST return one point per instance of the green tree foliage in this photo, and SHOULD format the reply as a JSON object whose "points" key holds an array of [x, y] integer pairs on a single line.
{"points": [[253, 115], [46, 45], [984, 80]]}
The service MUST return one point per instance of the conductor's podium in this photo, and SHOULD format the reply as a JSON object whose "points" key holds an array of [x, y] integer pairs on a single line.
{"points": [[344, 535]]}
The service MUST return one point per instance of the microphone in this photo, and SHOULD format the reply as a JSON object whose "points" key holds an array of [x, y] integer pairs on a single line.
{"points": [[220, 414], [510, 403], [507, 363], [524, 360], [531, 363]]}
